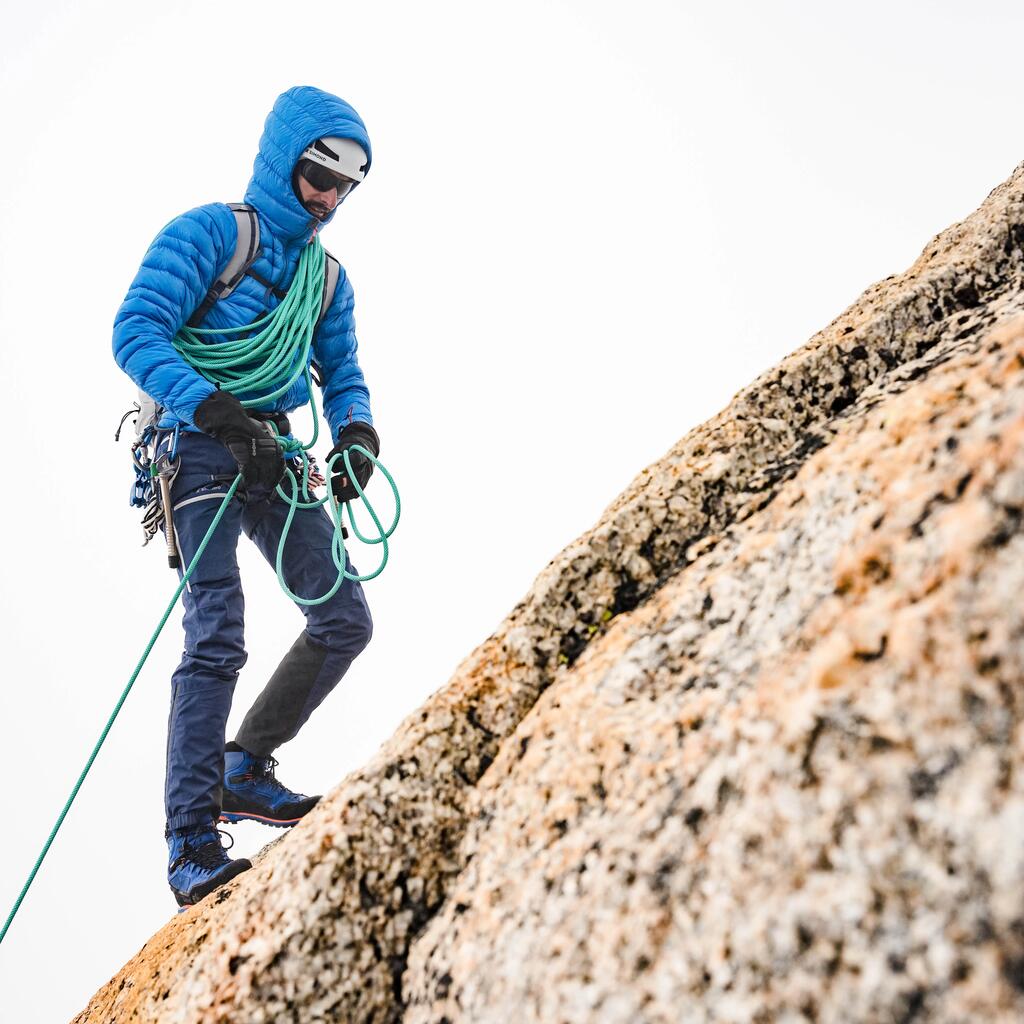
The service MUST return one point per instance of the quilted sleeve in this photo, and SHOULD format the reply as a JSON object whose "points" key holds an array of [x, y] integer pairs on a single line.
{"points": [[346, 396], [176, 273]]}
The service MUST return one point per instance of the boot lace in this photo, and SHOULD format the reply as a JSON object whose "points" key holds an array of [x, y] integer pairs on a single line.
{"points": [[264, 768], [210, 855]]}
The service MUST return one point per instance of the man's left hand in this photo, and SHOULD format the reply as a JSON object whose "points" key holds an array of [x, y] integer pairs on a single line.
{"points": [[355, 433]]}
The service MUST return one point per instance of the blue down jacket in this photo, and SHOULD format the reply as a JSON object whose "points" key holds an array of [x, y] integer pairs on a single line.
{"points": [[189, 254]]}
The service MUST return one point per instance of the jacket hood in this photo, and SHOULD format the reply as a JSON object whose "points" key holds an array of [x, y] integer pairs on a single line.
{"points": [[300, 116]]}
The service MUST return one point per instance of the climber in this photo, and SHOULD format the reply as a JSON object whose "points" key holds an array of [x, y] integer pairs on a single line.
{"points": [[313, 153]]}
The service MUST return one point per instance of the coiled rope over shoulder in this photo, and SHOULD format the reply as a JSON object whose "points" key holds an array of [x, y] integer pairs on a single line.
{"points": [[259, 363], [259, 368]]}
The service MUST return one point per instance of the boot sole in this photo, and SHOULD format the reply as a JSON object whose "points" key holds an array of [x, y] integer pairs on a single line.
{"points": [[231, 817], [190, 899]]}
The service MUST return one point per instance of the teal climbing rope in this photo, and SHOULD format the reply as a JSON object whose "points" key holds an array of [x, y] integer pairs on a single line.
{"points": [[259, 363], [186, 576]]}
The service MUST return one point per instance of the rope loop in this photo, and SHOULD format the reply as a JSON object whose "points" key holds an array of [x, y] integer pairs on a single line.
{"points": [[273, 353]]}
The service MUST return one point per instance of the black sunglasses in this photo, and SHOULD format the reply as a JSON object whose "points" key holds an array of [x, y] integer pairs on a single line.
{"points": [[323, 179]]}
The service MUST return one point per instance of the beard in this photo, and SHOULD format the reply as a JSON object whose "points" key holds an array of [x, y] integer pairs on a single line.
{"points": [[319, 210]]}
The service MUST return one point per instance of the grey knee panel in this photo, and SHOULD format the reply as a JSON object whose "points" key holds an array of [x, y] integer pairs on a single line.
{"points": [[294, 690]]}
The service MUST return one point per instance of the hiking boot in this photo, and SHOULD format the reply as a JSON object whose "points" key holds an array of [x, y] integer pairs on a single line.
{"points": [[198, 864], [253, 793]]}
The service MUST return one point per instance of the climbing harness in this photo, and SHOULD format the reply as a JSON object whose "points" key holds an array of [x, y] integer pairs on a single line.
{"points": [[274, 358]]}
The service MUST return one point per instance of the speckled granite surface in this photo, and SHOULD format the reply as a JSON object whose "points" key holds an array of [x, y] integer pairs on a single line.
{"points": [[790, 786], [748, 750]]}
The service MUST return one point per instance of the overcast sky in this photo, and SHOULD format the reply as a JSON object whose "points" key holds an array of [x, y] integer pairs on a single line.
{"points": [[588, 224]]}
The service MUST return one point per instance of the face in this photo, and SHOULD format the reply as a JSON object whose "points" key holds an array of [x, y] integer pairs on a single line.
{"points": [[319, 203], [321, 195]]}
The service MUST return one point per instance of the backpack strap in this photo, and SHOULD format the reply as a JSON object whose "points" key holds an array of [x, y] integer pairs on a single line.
{"points": [[278, 293], [332, 274], [247, 248]]}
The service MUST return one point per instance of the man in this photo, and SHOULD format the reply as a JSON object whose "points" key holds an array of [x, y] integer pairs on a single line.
{"points": [[314, 151]]}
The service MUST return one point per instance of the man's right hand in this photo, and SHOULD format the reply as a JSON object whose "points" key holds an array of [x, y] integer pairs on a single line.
{"points": [[259, 456]]}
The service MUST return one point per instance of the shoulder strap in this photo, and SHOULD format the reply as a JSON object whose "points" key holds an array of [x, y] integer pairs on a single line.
{"points": [[247, 247], [332, 273]]}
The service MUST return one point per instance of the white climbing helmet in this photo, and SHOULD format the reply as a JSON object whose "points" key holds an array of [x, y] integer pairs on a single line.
{"points": [[342, 156]]}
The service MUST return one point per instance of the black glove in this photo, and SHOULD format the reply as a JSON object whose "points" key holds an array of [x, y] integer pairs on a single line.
{"points": [[362, 467], [252, 445]]}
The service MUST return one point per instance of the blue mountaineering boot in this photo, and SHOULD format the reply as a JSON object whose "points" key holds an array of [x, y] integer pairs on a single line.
{"points": [[252, 793], [198, 864]]}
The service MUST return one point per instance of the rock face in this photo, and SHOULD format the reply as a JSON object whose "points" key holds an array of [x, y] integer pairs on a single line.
{"points": [[751, 749]]}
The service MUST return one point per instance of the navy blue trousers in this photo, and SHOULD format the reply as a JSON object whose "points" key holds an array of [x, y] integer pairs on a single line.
{"points": [[203, 684]]}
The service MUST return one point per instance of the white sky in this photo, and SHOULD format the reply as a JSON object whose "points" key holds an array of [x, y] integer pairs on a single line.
{"points": [[588, 224]]}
